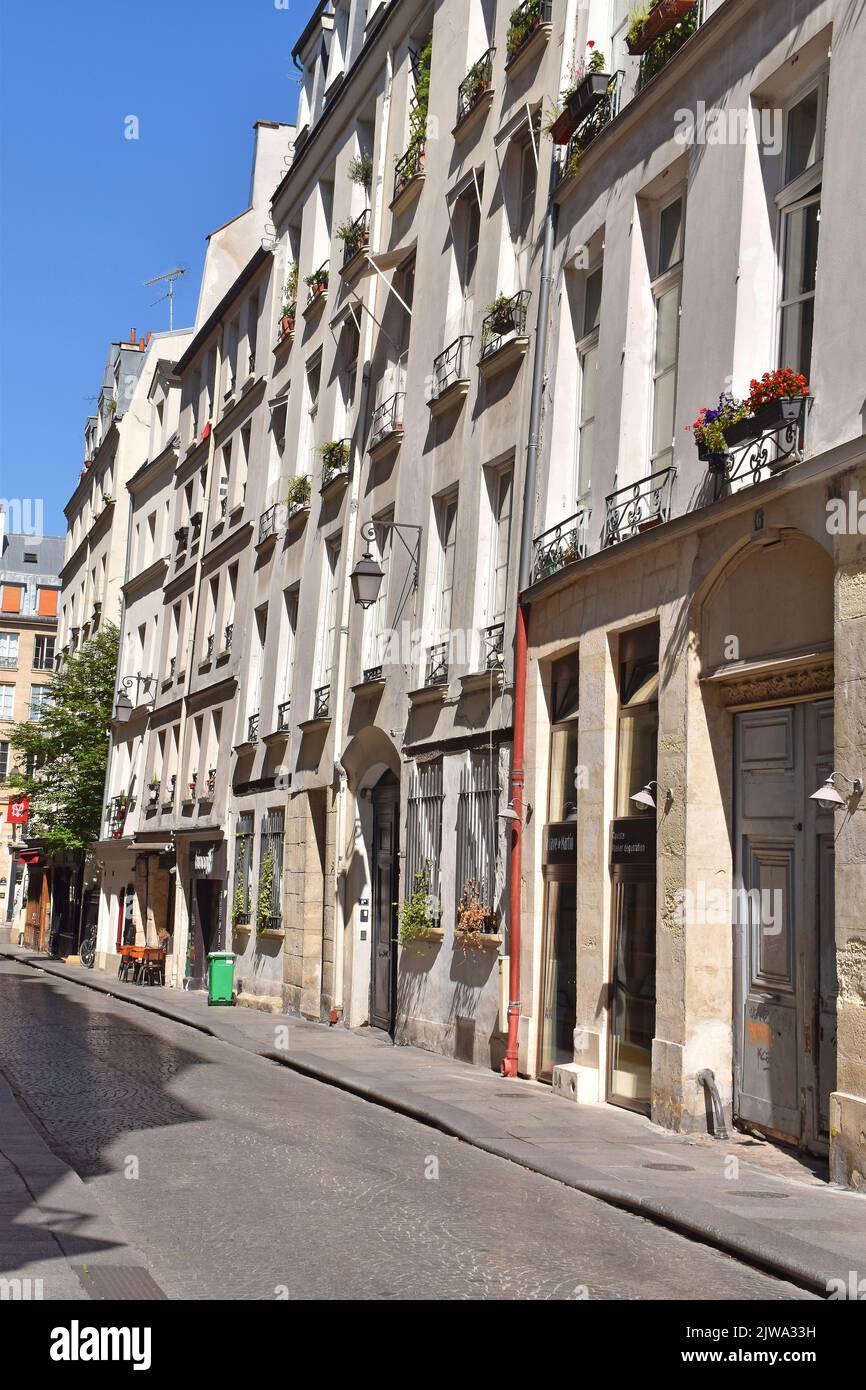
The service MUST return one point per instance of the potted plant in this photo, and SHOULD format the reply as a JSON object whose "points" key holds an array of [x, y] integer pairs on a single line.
{"points": [[475, 918], [360, 170], [290, 294], [522, 24], [419, 915], [335, 459], [500, 316], [299, 493], [776, 400], [317, 282], [587, 87], [354, 236], [651, 22], [711, 426]]}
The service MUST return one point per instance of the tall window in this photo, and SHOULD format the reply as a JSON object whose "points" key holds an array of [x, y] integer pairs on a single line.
{"points": [[39, 697], [500, 485], [587, 359], [619, 26], [243, 863], [307, 457], [424, 826], [287, 647], [667, 293], [376, 617], [447, 519], [327, 631], [799, 205], [9, 649], [7, 696], [4, 762], [269, 905], [349, 348], [466, 222], [528, 180]]}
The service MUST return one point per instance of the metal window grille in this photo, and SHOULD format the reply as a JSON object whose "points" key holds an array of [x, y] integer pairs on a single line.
{"points": [[477, 825], [271, 843], [424, 825], [243, 862]]}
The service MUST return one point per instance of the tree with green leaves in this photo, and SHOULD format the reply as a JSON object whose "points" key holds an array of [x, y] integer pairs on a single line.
{"points": [[63, 755]]}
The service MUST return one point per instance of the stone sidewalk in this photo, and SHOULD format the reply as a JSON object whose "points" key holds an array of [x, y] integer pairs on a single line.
{"points": [[56, 1242], [743, 1196]]}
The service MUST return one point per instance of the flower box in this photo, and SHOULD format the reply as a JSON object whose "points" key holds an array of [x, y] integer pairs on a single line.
{"points": [[785, 412], [581, 103], [660, 20]]}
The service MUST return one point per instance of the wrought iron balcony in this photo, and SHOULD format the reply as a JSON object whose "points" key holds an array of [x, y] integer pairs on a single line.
{"points": [[118, 808], [317, 283], [172, 668], [437, 665], [451, 366], [570, 155], [195, 522], [357, 237], [153, 791], [493, 639], [336, 457], [664, 48], [229, 633], [559, 546], [210, 785], [372, 674], [181, 535], [525, 20], [507, 320], [269, 523], [283, 713], [407, 168], [638, 507], [253, 728], [387, 420], [763, 444], [478, 80], [322, 702], [170, 790], [9, 663]]}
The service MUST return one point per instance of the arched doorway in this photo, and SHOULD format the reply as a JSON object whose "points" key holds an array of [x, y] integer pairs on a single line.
{"points": [[386, 883], [767, 663]]}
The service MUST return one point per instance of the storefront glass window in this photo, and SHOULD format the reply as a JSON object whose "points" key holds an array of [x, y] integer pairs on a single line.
{"points": [[560, 977], [634, 1004]]}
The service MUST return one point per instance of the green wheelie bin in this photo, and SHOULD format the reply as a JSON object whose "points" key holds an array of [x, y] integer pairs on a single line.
{"points": [[221, 975]]}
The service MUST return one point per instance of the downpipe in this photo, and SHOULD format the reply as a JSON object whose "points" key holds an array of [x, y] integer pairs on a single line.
{"points": [[521, 635], [707, 1079]]}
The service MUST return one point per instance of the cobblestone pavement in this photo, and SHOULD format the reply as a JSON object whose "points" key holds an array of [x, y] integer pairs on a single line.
{"points": [[238, 1179]]}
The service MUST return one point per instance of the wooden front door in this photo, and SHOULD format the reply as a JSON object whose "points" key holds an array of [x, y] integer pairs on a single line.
{"points": [[385, 870], [785, 1029]]}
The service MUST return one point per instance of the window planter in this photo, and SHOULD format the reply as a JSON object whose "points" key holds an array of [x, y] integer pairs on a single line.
{"points": [[524, 24], [475, 940], [786, 412], [581, 103], [660, 20]]}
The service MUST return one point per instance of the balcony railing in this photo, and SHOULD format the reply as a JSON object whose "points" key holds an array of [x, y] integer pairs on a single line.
{"points": [[322, 702], [571, 154], [437, 665], [357, 237], [493, 643], [283, 712], [317, 284], [638, 507], [269, 523], [181, 535], [387, 419], [9, 663], [508, 320], [170, 790], [336, 457], [229, 633], [525, 20], [40, 663], [118, 808], [407, 168], [763, 447], [559, 546], [372, 674], [478, 80], [451, 366], [670, 43], [253, 728]]}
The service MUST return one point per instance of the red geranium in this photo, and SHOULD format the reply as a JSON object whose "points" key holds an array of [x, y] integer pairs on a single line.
{"points": [[779, 385]]}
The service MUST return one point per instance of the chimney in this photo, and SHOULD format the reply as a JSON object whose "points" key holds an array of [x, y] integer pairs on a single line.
{"points": [[132, 335], [149, 336]]}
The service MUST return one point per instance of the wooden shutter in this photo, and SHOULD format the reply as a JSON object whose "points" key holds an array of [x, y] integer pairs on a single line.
{"points": [[48, 603], [12, 598]]}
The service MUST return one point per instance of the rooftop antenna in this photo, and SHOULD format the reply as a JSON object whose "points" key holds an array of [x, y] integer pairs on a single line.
{"points": [[170, 276]]}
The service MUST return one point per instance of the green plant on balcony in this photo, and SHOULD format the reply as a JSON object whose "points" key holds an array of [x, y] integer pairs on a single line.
{"points": [[476, 82], [421, 107], [299, 492], [522, 24], [360, 170], [663, 49], [709, 427], [354, 236], [499, 317], [335, 459], [317, 282], [637, 23], [419, 915]]}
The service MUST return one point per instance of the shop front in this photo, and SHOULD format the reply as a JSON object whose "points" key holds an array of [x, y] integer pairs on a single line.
{"points": [[205, 882]]}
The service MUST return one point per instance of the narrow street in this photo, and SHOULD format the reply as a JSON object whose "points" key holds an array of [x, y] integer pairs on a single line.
{"points": [[236, 1178]]}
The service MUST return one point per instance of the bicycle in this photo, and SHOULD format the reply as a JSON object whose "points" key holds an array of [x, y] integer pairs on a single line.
{"points": [[87, 949]]}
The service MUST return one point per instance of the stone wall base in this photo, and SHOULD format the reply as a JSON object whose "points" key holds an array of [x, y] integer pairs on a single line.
{"points": [[679, 1103], [452, 1040], [265, 1003], [848, 1141]]}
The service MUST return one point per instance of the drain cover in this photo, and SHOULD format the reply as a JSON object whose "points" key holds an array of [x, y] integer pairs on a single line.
{"points": [[771, 1195], [669, 1167], [118, 1282]]}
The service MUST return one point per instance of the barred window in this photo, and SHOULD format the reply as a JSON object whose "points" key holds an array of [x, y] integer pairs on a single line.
{"points": [[477, 839], [243, 863], [424, 825], [269, 912]]}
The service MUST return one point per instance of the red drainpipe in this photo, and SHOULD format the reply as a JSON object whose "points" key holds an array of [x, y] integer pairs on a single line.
{"points": [[509, 1065]]}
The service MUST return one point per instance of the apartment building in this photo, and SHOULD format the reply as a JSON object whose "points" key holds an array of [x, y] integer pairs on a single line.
{"points": [[97, 513], [695, 697], [29, 593]]}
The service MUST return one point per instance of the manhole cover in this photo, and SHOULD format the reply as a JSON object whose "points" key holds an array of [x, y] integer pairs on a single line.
{"points": [[771, 1195], [669, 1167]]}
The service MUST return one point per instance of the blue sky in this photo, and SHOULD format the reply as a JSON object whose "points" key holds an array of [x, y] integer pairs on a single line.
{"points": [[86, 215]]}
